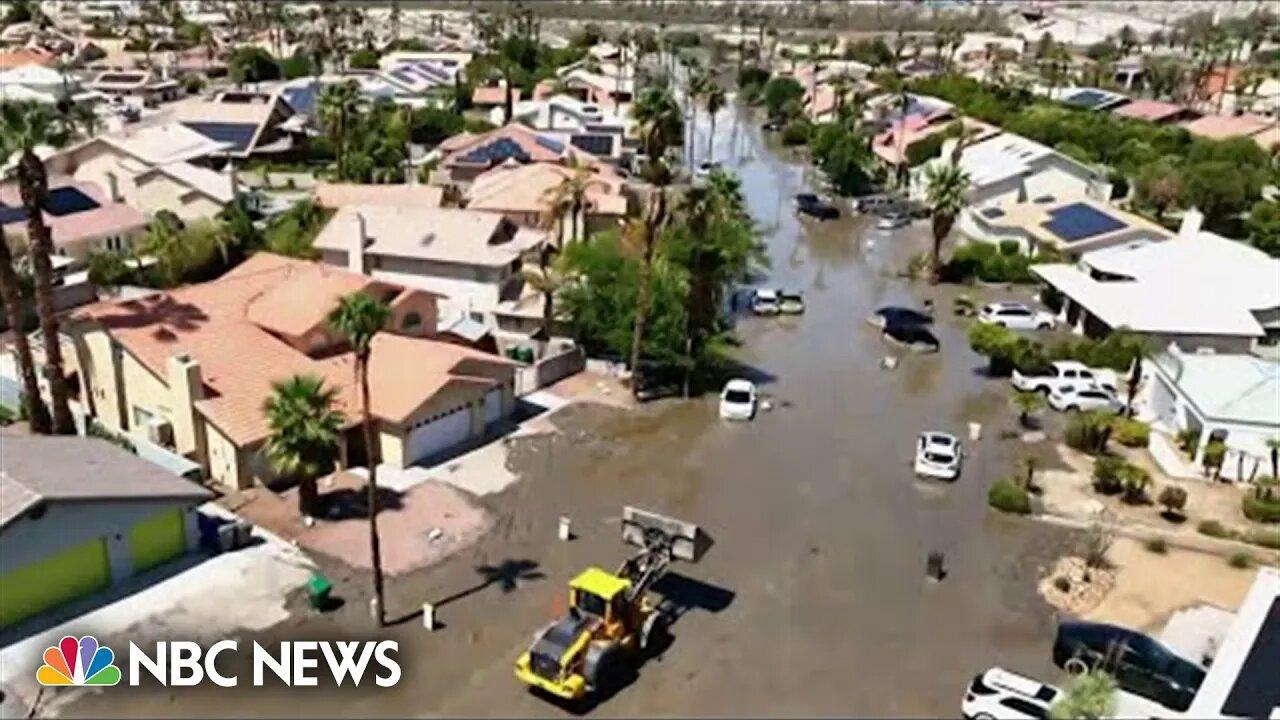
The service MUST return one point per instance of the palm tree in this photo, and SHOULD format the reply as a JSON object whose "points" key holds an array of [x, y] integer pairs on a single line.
{"points": [[11, 295], [359, 317], [946, 184], [1273, 448], [164, 241], [1090, 696], [569, 197], [1026, 402], [547, 279], [305, 431], [659, 121], [23, 128], [642, 235], [714, 99], [338, 106]]}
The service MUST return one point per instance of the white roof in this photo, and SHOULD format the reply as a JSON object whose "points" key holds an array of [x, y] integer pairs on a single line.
{"points": [[164, 143], [1232, 388], [1002, 157], [34, 74], [1204, 284], [1247, 629], [430, 233]]}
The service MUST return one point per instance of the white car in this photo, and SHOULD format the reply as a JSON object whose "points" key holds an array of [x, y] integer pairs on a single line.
{"points": [[1065, 372], [938, 455], [1084, 398], [998, 694], [765, 302], [1016, 316], [893, 221], [738, 400], [705, 169]]}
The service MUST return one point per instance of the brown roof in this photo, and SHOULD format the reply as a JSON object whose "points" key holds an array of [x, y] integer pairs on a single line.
{"points": [[1153, 110], [218, 325], [1223, 126], [492, 95], [336, 195], [25, 56], [512, 187]]}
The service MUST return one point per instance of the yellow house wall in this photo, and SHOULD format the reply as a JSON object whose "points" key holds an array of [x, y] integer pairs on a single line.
{"points": [[145, 390], [224, 460], [391, 448]]}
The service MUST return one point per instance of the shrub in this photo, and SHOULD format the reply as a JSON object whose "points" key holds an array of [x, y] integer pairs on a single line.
{"points": [[1261, 508], [363, 59], [1108, 474], [1188, 440], [796, 132], [1158, 546], [1062, 583], [1130, 432], [1215, 529], [1264, 537], [193, 84], [988, 263], [7, 416], [1088, 432], [1008, 496], [1135, 481], [1214, 452], [1240, 561], [1173, 498]]}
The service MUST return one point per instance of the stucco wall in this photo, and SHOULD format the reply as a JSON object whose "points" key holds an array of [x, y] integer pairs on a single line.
{"points": [[224, 461]]}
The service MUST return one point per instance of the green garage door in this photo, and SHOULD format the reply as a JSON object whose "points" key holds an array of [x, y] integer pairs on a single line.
{"points": [[59, 578], [157, 539]]}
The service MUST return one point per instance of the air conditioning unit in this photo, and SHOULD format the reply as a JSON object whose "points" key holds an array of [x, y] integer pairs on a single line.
{"points": [[160, 431]]}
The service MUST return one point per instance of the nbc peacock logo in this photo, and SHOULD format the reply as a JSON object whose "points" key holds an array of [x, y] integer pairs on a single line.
{"points": [[78, 662]]}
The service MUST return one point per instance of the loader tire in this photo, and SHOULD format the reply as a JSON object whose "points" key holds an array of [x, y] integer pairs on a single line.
{"points": [[653, 632], [603, 665]]}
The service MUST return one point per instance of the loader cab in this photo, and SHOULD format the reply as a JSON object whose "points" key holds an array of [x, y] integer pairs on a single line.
{"points": [[600, 594]]}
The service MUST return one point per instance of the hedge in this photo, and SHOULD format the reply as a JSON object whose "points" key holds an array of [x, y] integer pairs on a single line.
{"points": [[1008, 496]]}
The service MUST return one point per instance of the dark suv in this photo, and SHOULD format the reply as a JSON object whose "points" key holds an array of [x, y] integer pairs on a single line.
{"points": [[1140, 664], [814, 206]]}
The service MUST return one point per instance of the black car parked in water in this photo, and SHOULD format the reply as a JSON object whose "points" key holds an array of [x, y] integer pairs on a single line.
{"points": [[1141, 665], [814, 206]]}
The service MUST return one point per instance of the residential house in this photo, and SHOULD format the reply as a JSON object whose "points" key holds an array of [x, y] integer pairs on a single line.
{"points": [[1198, 289], [143, 86], [976, 49], [20, 57], [494, 97], [1229, 398], [191, 368], [37, 83], [1161, 113], [893, 145], [471, 260], [466, 156], [1090, 98], [81, 218], [1070, 227], [583, 125], [1240, 683], [339, 195], [78, 515], [519, 193], [612, 88], [247, 123], [154, 168], [1264, 131], [1008, 169]]}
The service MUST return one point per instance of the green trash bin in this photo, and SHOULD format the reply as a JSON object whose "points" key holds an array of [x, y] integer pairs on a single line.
{"points": [[319, 589]]}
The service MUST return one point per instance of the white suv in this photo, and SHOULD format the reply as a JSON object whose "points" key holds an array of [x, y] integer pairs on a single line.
{"points": [[998, 694], [765, 301], [938, 455], [1084, 398], [1016, 316]]}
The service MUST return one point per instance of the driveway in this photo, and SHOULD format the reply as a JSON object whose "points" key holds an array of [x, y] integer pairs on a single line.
{"points": [[813, 599]]}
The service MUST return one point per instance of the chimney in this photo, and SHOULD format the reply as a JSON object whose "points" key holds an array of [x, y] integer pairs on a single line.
{"points": [[113, 186], [355, 257], [186, 386], [1191, 223]]}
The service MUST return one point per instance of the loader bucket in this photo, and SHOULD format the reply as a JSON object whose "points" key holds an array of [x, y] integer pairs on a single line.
{"points": [[643, 528]]}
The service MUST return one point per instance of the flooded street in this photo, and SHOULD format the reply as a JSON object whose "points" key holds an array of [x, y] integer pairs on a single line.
{"points": [[813, 599]]}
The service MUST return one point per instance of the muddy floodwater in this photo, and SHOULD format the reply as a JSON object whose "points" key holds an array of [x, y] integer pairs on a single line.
{"points": [[813, 599]]}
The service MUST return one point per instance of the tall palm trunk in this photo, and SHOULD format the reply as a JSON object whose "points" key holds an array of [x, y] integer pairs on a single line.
{"points": [[651, 225], [711, 138], [33, 186], [37, 411], [375, 543]]}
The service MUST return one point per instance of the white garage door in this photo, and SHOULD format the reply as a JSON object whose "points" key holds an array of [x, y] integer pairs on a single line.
{"points": [[439, 435], [493, 405]]}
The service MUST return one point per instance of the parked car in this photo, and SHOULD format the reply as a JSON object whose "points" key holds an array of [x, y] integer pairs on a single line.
{"points": [[914, 337], [771, 126], [705, 169], [658, 381], [897, 315], [1065, 372], [790, 302], [998, 694], [814, 206], [1081, 397], [873, 203], [764, 301], [1016, 316], [738, 400], [938, 455], [893, 220], [1141, 665]]}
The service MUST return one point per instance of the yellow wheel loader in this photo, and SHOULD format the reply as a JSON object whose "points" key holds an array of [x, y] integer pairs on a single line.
{"points": [[611, 621]]}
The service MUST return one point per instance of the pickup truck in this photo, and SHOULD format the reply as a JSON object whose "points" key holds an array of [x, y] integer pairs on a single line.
{"points": [[1066, 372]]}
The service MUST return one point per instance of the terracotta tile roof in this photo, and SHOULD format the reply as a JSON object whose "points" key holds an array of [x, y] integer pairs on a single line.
{"points": [[214, 324], [493, 95], [336, 195], [25, 56], [1152, 110], [523, 188], [108, 218], [1223, 126]]}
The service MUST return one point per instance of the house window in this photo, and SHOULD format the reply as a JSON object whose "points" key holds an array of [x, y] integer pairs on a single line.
{"points": [[142, 417], [412, 321]]}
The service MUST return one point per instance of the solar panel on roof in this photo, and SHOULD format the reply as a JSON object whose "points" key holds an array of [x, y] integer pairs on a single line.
{"points": [[237, 135], [553, 145], [1079, 221], [403, 76], [594, 144], [301, 99], [1088, 98], [12, 214], [121, 78], [992, 213], [1256, 691], [67, 201], [497, 151]]}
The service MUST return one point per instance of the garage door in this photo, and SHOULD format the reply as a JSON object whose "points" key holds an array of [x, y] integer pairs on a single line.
{"points": [[57, 579], [156, 540], [492, 405], [440, 434]]}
